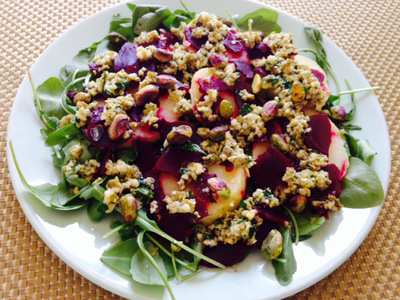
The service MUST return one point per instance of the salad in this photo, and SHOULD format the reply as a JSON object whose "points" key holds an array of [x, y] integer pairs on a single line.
{"points": [[210, 137]]}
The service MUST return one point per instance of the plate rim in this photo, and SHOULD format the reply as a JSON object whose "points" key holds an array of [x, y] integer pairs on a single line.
{"points": [[98, 279]]}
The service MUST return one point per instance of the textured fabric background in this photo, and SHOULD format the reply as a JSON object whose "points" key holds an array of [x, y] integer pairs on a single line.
{"points": [[366, 30]]}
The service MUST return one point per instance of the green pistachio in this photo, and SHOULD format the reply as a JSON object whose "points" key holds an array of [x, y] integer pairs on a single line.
{"points": [[225, 109], [271, 247]]}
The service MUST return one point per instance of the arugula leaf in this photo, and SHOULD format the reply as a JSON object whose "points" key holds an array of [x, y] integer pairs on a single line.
{"points": [[246, 109], [145, 223], [122, 25], [350, 127], [140, 269], [120, 255], [81, 60], [96, 209], [359, 148], [49, 94], [264, 20], [285, 265], [320, 55], [361, 186], [308, 222], [43, 192], [188, 146], [148, 17], [62, 135]]}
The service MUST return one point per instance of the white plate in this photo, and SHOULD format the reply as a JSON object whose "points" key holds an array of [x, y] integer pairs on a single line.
{"points": [[78, 241]]}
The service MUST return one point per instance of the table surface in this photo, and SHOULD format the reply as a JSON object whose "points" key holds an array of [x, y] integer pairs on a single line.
{"points": [[366, 30]]}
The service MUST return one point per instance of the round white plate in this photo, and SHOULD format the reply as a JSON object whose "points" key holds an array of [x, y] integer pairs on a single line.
{"points": [[78, 241]]}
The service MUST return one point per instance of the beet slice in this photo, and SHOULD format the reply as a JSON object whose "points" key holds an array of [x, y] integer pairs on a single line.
{"points": [[262, 232], [271, 214], [318, 74], [232, 44], [194, 42], [176, 225], [213, 83], [319, 137], [226, 254], [172, 160], [259, 51], [126, 58], [269, 169], [242, 67], [146, 156], [334, 188]]}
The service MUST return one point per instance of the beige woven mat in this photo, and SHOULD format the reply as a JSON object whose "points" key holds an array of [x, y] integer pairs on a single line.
{"points": [[366, 30]]}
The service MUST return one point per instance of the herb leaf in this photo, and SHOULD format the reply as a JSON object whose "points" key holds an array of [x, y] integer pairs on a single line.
{"points": [[361, 186], [120, 255], [264, 20], [246, 109], [285, 266], [188, 146]]}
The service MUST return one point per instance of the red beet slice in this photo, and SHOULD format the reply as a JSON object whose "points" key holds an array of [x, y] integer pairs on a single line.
{"points": [[194, 42], [172, 160], [242, 67], [334, 188], [232, 44], [126, 58], [146, 156], [271, 214], [226, 254], [176, 225], [319, 138], [269, 169], [318, 74]]}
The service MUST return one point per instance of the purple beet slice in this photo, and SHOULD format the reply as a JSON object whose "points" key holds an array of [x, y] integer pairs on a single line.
{"points": [[269, 169], [271, 214], [176, 225], [126, 58], [226, 254], [172, 160], [319, 137]]}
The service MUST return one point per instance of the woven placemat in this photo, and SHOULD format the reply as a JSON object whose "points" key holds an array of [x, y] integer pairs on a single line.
{"points": [[366, 30]]}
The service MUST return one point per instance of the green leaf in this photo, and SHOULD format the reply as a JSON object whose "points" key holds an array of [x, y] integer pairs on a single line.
{"points": [[93, 191], [62, 135], [49, 94], [122, 25], [308, 222], [361, 186], [352, 144], [144, 272], [145, 223], [285, 266], [366, 153], [148, 17], [120, 255], [246, 109], [264, 20], [81, 60], [44, 192], [96, 209], [188, 146]]}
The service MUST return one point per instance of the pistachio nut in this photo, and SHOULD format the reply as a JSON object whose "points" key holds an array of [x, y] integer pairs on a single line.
{"points": [[298, 92], [82, 96], [338, 112], [217, 134], [256, 84], [146, 94], [118, 126], [269, 110], [165, 81], [297, 203], [179, 135], [271, 247], [219, 186], [225, 21], [129, 206], [162, 55], [116, 39], [278, 142], [218, 60], [225, 109]]}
